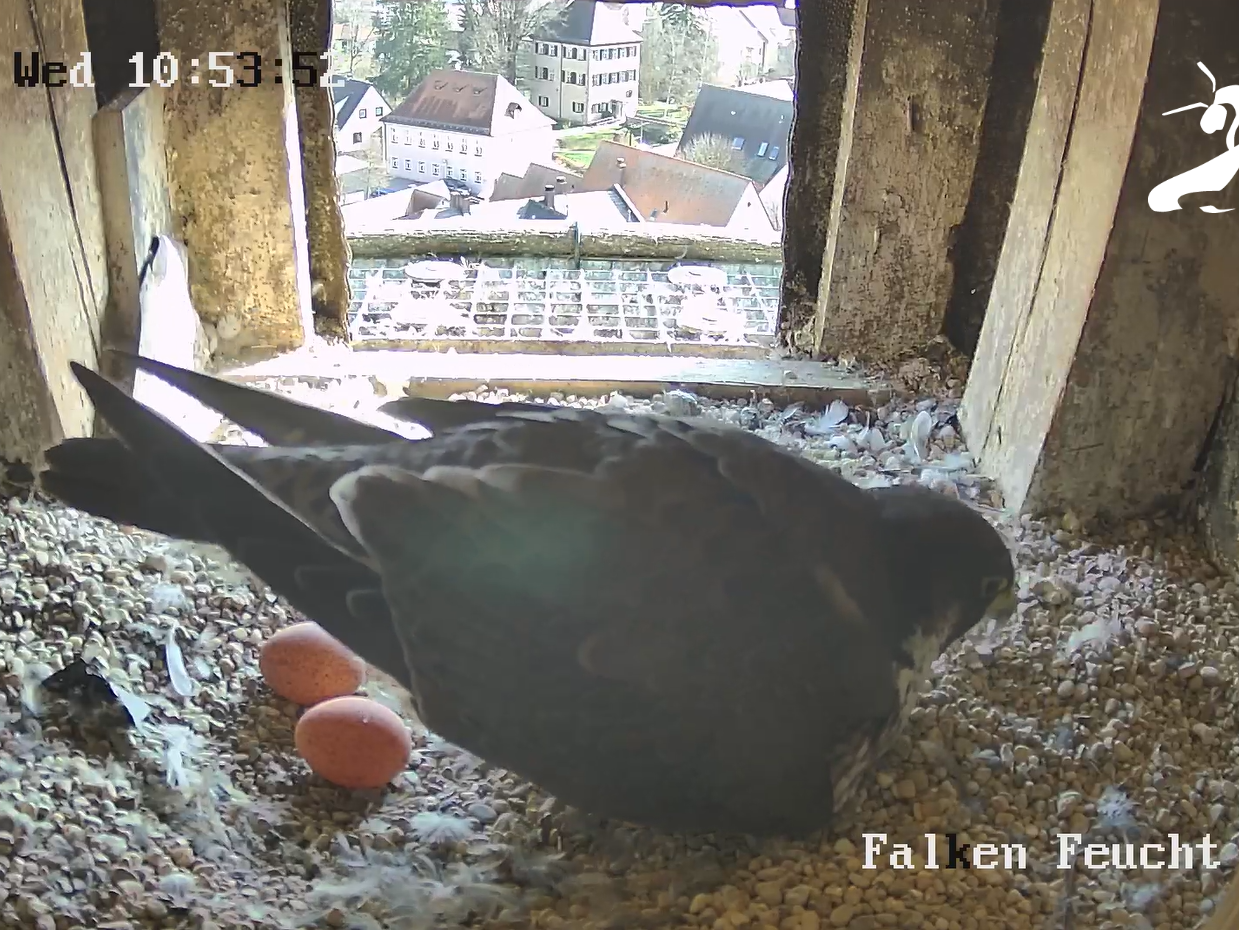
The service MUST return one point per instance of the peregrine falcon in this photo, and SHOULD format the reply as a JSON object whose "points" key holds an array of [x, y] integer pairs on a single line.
{"points": [[669, 622]]}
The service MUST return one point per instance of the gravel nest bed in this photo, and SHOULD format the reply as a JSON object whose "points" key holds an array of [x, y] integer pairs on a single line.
{"points": [[1102, 710]]}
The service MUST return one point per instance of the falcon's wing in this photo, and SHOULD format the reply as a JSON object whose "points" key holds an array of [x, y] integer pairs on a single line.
{"points": [[695, 581], [223, 505]]}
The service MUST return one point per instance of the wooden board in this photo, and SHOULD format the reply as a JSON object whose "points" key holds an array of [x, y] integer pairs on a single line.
{"points": [[1078, 145], [442, 374], [51, 237], [133, 184], [538, 238], [916, 134], [1019, 265]]}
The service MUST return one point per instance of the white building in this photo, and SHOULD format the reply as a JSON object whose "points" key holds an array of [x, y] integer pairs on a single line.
{"points": [[748, 41], [466, 127], [360, 109], [586, 64]]}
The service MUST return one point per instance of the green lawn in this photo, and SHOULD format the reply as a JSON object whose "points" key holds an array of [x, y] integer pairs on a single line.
{"points": [[577, 160], [659, 110], [577, 148]]}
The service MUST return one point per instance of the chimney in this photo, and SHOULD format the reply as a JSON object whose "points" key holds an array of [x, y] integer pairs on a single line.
{"points": [[560, 182], [548, 195], [623, 168], [460, 201]]}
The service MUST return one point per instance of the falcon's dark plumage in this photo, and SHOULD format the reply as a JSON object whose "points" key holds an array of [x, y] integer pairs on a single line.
{"points": [[668, 622]]}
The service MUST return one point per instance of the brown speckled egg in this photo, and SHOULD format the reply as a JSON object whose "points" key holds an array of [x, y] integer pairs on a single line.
{"points": [[305, 664], [353, 742]]}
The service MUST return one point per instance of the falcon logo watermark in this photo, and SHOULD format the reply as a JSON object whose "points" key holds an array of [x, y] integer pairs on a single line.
{"points": [[948, 851], [1217, 172]]}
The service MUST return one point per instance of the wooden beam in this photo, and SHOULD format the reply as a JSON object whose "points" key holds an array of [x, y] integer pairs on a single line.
{"points": [[52, 282], [916, 135], [235, 168], [1104, 354], [328, 250], [400, 238], [827, 77], [436, 374], [1018, 49]]}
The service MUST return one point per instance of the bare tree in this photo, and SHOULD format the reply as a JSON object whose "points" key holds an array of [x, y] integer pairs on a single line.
{"points": [[492, 32], [359, 34], [713, 151]]}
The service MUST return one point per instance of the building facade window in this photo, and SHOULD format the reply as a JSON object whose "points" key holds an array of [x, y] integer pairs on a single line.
{"points": [[578, 108], [544, 101], [356, 138], [378, 111], [361, 113], [421, 167]]}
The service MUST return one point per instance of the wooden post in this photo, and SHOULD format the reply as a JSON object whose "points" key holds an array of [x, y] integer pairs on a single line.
{"points": [[235, 171], [828, 56], [1104, 353], [131, 152], [329, 255], [924, 75], [52, 277]]}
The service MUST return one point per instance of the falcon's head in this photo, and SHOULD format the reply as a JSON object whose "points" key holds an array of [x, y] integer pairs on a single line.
{"points": [[953, 568]]}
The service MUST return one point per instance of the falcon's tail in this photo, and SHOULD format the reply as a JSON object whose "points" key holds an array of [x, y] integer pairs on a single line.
{"points": [[210, 500], [102, 477]]}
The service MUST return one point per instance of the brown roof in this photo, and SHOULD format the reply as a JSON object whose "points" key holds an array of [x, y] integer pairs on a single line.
{"points": [[533, 182], [468, 101], [665, 189]]}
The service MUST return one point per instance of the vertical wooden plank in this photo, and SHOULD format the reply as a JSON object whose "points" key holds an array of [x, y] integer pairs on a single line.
{"points": [[131, 153], [1116, 369], [329, 254], [1028, 229], [828, 60], [923, 85], [51, 271]]}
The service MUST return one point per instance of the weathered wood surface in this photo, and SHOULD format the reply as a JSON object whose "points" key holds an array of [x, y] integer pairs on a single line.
{"points": [[328, 251], [998, 444], [130, 151], [440, 374], [916, 134], [52, 277], [708, 349], [1110, 350], [828, 72], [400, 238], [235, 171]]}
